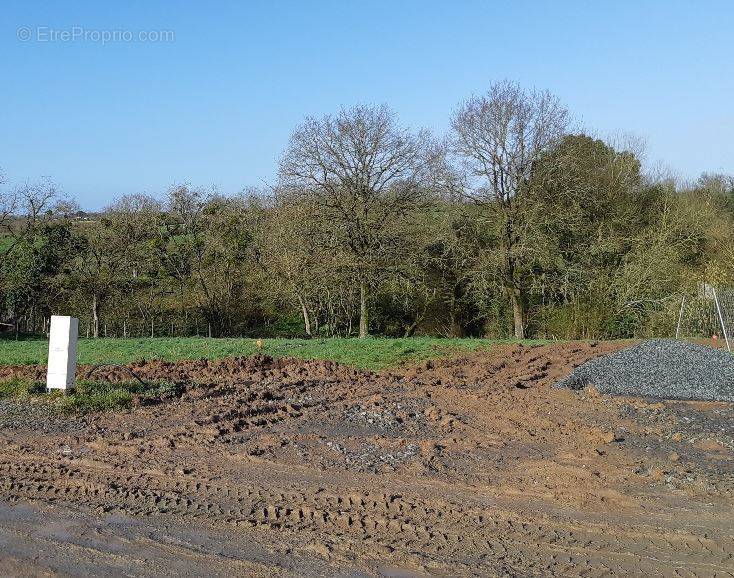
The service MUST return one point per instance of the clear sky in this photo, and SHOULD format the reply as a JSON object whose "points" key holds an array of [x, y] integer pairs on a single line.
{"points": [[215, 103]]}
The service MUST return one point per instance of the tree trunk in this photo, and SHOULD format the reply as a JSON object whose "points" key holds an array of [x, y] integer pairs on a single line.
{"points": [[95, 317], [518, 315], [363, 321], [456, 327], [410, 330], [306, 318]]}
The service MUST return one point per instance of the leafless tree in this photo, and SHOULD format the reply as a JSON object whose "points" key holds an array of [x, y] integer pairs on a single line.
{"points": [[497, 138], [37, 201], [364, 171], [24, 208], [8, 203]]}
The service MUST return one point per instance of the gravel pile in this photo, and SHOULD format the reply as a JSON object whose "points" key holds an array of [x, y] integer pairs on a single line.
{"points": [[660, 368]]}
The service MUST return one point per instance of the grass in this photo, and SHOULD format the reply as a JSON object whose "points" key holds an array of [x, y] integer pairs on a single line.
{"points": [[371, 353], [94, 397], [20, 389], [91, 396], [88, 396]]}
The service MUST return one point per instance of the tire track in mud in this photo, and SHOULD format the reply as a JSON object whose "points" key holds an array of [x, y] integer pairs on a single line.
{"points": [[432, 529]]}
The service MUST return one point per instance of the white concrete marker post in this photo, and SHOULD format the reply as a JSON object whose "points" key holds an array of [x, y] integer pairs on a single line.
{"points": [[62, 352]]}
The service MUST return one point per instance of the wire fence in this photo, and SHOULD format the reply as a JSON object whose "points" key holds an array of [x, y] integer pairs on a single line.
{"points": [[708, 313]]}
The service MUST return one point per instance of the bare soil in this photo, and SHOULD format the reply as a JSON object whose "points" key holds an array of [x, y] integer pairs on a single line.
{"points": [[467, 466]]}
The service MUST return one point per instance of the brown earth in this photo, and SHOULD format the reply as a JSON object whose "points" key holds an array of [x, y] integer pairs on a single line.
{"points": [[466, 466]]}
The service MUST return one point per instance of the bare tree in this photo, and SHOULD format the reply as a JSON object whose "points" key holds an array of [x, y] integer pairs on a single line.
{"points": [[497, 138], [364, 171], [24, 209], [8, 203]]}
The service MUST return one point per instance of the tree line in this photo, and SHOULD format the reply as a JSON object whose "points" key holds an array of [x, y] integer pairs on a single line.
{"points": [[515, 223]]}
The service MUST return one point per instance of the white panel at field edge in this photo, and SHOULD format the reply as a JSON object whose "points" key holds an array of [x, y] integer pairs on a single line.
{"points": [[62, 352]]}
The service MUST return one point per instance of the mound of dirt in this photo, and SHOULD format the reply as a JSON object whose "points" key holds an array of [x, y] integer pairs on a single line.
{"points": [[660, 368], [515, 366], [222, 371]]}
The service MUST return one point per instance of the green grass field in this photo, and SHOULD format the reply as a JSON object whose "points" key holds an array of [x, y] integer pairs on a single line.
{"points": [[371, 353]]}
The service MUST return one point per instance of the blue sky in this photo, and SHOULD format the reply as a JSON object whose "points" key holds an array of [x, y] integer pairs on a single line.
{"points": [[216, 104]]}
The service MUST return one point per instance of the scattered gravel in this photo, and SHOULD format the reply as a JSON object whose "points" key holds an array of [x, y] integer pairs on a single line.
{"points": [[660, 368], [373, 458], [384, 419], [39, 417]]}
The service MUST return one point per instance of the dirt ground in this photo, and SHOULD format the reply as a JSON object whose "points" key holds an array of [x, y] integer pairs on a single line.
{"points": [[466, 466]]}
